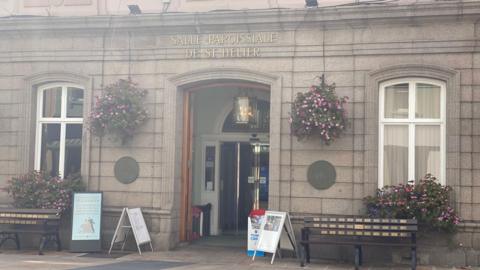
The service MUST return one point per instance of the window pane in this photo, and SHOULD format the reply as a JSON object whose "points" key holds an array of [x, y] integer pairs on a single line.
{"points": [[73, 149], [52, 102], [396, 101], [49, 159], [395, 155], [427, 101], [427, 151], [74, 102]]}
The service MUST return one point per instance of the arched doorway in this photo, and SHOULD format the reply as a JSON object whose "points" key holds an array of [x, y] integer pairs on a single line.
{"points": [[220, 155], [181, 127]]}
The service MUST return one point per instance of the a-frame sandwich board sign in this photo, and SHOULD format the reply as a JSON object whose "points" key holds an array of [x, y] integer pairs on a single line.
{"points": [[131, 220], [270, 231]]}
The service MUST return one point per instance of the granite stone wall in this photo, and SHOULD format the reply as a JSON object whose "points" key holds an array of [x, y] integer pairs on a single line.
{"points": [[355, 47]]}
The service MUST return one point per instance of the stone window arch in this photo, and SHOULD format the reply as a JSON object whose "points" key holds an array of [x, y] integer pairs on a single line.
{"points": [[35, 86], [446, 76]]}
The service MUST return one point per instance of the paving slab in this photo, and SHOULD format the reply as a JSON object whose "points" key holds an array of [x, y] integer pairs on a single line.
{"points": [[135, 264], [191, 257]]}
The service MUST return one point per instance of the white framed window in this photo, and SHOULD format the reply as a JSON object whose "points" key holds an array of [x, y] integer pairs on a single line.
{"points": [[58, 140], [412, 130]]}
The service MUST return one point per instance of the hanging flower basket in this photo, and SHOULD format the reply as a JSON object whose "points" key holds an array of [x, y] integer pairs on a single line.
{"points": [[318, 111], [119, 111]]}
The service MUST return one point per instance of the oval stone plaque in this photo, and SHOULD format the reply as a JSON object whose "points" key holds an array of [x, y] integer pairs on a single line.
{"points": [[126, 170], [321, 174]]}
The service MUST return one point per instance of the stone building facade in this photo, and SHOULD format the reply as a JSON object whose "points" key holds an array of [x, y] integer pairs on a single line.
{"points": [[358, 48]]}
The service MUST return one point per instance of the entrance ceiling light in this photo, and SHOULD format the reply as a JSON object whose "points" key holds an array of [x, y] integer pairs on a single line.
{"points": [[134, 9], [245, 110], [311, 3], [166, 4], [257, 148]]}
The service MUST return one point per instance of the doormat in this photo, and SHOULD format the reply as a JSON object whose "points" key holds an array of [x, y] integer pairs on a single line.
{"points": [[105, 255], [137, 265]]}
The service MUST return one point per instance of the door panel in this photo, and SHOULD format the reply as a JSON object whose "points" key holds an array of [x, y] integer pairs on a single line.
{"points": [[186, 173], [245, 201], [233, 218], [228, 188]]}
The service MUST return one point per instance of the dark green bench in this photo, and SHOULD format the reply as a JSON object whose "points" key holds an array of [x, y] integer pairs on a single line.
{"points": [[358, 232], [15, 223]]}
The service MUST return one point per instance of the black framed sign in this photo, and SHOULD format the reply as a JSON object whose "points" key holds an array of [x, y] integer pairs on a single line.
{"points": [[86, 222], [210, 167]]}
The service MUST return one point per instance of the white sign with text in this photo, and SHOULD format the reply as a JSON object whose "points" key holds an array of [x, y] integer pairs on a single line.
{"points": [[139, 227], [131, 220]]}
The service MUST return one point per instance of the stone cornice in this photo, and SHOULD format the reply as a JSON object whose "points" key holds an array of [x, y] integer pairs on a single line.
{"points": [[272, 19]]}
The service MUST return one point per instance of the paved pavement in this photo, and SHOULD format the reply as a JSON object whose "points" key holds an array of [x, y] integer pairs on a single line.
{"points": [[197, 257]]}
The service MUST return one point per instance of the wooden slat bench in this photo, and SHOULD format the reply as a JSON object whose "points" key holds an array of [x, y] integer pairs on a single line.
{"points": [[358, 232], [17, 222]]}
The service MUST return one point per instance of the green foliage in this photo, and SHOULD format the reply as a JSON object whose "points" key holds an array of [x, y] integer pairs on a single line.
{"points": [[318, 111], [427, 201], [119, 111], [40, 190]]}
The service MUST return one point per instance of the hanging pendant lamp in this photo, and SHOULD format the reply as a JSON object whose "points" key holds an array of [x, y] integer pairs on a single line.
{"points": [[245, 110]]}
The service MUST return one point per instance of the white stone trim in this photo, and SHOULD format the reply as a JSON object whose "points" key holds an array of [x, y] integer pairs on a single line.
{"points": [[411, 122], [265, 20], [63, 120]]}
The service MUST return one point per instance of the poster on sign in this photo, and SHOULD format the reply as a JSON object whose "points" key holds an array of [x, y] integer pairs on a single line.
{"points": [[86, 222], [255, 220], [271, 230], [139, 227]]}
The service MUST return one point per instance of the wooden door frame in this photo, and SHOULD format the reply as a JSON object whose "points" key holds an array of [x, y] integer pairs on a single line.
{"points": [[185, 224], [186, 175]]}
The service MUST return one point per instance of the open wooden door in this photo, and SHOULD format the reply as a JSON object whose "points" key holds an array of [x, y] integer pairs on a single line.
{"points": [[186, 191]]}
